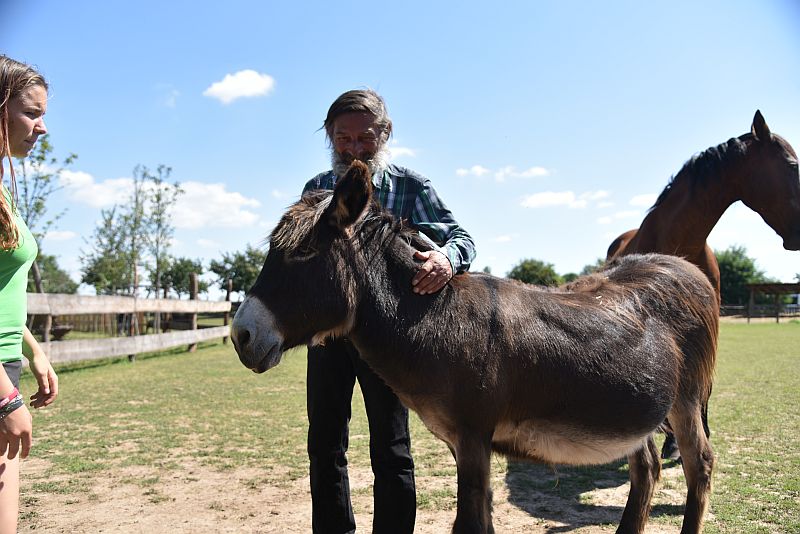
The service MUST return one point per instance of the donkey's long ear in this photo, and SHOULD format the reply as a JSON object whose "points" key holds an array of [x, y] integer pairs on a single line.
{"points": [[760, 128], [350, 197]]}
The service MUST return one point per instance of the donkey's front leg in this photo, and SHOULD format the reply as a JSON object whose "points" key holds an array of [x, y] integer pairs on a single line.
{"points": [[474, 514]]}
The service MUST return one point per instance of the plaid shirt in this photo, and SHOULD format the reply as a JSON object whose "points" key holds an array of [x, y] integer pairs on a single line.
{"points": [[411, 196]]}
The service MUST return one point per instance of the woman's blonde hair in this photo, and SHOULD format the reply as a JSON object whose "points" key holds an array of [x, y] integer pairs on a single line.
{"points": [[15, 77]]}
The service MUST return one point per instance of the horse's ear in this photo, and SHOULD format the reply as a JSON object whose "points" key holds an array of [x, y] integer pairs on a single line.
{"points": [[760, 128], [350, 197]]}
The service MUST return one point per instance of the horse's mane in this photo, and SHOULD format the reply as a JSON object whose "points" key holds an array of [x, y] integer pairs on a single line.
{"points": [[701, 167]]}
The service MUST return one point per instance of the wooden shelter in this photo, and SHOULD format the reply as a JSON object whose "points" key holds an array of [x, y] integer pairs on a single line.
{"points": [[777, 290]]}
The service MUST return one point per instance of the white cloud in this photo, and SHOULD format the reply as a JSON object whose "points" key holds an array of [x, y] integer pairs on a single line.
{"points": [[397, 151], [502, 174], [644, 201], [278, 194], [171, 98], [400, 151], [548, 199], [205, 205], [604, 204], [511, 172], [201, 205], [475, 170], [82, 188], [502, 239], [60, 235], [242, 84], [618, 215], [207, 243], [595, 195]]}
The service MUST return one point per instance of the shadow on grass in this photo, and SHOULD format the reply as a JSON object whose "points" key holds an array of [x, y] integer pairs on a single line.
{"points": [[555, 493]]}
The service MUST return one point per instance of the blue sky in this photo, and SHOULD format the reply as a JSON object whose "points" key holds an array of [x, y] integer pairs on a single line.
{"points": [[591, 105]]}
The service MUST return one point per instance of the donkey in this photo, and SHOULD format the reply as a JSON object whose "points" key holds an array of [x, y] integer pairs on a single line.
{"points": [[583, 374]]}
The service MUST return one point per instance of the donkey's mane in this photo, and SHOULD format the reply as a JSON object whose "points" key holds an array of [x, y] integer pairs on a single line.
{"points": [[701, 167], [300, 219]]}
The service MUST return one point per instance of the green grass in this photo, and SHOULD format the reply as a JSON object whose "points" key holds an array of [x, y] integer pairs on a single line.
{"points": [[174, 407]]}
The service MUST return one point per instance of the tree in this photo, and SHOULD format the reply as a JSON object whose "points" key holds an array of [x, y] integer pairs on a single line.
{"points": [[241, 267], [37, 181], [176, 276], [53, 278], [536, 272], [106, 266], [134, 221], [736, 270], [591, 268], [161, 196]]}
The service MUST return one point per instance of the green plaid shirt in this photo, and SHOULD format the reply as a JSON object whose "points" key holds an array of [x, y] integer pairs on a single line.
{"points": [[411, 196]]}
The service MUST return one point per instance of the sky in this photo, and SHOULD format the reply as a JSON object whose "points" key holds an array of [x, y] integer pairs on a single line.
{"points": [[547, 127]]}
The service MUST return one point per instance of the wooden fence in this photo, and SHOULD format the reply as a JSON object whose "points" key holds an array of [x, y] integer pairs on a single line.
{"points": [[54, 304]]}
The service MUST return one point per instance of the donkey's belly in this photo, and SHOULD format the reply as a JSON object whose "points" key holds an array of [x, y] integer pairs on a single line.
{"points": [[560, 444]]}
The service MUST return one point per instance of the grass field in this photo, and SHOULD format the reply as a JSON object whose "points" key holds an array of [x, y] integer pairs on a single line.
{"points": [[134, 429]]}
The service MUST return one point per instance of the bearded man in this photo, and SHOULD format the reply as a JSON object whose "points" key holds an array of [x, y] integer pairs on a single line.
{"points": [[358, 127]]}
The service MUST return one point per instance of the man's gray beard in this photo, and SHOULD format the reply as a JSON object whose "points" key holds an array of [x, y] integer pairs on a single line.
{"points": [[376, 164]]}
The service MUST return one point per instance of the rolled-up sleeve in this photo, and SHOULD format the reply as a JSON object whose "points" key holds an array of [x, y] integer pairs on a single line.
{"points": [[431, 217]]}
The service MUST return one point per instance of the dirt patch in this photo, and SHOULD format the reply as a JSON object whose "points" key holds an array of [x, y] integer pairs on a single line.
{"points": [[199, 499]]}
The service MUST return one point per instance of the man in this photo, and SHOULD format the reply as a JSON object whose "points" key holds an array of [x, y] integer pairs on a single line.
{"points": [[358, 127]]}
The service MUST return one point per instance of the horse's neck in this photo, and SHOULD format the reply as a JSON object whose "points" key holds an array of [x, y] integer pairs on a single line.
{"points": [[681, 223]]}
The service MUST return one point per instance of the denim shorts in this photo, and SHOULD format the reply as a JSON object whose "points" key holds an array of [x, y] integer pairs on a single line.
{"points": [[13, 369]]}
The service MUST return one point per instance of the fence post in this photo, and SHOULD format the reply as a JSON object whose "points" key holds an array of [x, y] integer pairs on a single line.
{"points": [[193, 296], [227, 317]]}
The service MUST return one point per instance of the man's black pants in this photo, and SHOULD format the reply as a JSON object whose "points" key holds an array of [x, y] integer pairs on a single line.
{"points": [[332, 371]]}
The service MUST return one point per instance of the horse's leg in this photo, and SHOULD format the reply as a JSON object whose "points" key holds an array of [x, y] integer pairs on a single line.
{"points": [[698, 463], [645, 470], [474, 513]]}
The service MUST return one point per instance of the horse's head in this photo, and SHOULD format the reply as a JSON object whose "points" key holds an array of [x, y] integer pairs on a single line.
{"points": [[770, 182], [307, 289]]}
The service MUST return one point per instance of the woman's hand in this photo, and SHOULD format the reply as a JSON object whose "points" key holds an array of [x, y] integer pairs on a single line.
{"points": [[46, 378], [15, 433]]}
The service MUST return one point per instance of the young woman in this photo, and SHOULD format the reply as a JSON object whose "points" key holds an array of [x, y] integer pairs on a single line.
{"points": [[23, 102]]}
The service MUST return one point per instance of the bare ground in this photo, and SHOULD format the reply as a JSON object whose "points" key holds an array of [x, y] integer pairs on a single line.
{"points": [[197, 499]]}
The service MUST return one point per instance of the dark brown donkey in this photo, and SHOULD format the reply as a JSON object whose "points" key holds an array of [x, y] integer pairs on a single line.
{"points": [[580, 375], [758, 168]]}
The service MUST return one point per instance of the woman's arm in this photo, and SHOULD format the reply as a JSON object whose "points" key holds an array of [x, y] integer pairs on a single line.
{"points": [[40, 366]]}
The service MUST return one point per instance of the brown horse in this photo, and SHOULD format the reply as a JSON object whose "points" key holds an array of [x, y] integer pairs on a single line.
{"points": [[580, 375], [758, 168]]}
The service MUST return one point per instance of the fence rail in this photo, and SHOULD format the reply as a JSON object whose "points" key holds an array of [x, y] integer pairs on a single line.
{"points": [[91, 349], [54, 304], [61, 304]]}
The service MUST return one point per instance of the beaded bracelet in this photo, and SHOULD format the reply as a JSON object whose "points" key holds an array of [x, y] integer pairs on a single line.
{"points": [[8, 398], [11, 406]]}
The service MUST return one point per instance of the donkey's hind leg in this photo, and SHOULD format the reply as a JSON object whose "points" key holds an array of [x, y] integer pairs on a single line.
{"points": [[645, 470], [698, 463]]}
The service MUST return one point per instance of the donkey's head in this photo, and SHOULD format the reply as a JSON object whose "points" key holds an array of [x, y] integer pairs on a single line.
{"points": [[307, 288]]}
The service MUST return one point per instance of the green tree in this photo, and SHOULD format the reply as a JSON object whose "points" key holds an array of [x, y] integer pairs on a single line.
{"points": [[161, 198], [53, 278], [106, 265], [591, 268], [176, 276], [241, 267], [736, 270], [536, 272], [134, 225], [37, 180]]}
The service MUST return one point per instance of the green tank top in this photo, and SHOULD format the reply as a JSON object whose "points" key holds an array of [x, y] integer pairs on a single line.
{"points": [[14, 266]]}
